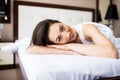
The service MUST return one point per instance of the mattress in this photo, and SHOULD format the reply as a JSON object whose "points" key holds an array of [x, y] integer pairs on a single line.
{"points": [[68, 67]]}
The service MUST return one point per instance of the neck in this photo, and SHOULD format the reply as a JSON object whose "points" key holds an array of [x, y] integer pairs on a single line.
{"points": [[77, 40]]}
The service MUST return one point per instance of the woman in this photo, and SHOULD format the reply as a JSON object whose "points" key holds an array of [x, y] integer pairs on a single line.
{"points": [[55, 37]]}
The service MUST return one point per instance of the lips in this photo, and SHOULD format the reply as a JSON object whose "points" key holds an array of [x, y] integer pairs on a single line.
{"points": [[71, 36]]}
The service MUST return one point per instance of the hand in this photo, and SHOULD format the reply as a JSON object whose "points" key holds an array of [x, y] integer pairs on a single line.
{"points": [[64, 47]]}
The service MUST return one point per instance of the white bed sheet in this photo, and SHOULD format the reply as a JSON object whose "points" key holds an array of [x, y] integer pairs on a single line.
{"points": [[63, 67], [67, 67]]}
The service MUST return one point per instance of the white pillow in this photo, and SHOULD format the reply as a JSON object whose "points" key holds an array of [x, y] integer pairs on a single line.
{"points": [[13, 48]]}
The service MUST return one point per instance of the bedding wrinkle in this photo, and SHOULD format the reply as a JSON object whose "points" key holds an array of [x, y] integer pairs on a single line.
{"points": [[68, 67], [71, 67]]}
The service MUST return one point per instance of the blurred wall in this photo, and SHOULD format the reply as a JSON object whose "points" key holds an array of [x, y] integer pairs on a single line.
{"points": [[116, 23], [7, 32]]}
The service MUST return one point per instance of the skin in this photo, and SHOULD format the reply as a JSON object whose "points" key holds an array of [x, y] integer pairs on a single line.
{"points": [[60, 33], [67, 41]]}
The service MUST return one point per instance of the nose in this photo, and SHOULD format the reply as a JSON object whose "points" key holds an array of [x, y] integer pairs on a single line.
{"points": [[65, 34]]}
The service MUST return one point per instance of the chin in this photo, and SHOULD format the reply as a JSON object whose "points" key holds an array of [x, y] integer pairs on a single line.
{"points": [[72, 41]]}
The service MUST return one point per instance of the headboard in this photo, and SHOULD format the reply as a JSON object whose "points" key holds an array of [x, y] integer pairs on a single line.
{"points": [[28, 14]]}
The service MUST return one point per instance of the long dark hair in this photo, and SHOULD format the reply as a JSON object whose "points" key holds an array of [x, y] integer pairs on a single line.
{"points": [[40, 33]]}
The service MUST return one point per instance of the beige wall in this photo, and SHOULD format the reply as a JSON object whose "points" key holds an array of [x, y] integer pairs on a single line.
{"points": [[116, 24], [103, 5], [7, 32], [83, 3]]}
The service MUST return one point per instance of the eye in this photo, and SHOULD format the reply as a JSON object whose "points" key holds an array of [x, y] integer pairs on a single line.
{"points": [[59, 38], [62, 28]]}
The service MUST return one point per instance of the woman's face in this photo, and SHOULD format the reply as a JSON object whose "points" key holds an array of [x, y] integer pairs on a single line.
{"points": [[60, 33]]}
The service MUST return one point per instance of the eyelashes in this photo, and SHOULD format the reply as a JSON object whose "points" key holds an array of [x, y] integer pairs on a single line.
{"points": [[61, 28]]}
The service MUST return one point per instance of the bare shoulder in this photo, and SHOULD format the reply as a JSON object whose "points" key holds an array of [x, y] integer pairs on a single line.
{"points": [[90, 30], [89, 27]]}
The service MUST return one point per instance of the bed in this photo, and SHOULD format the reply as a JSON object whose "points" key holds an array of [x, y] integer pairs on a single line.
{"points": [[56, 67]]}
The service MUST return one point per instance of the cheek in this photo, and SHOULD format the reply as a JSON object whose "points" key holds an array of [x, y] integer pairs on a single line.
{"points": [[65, 40], [51, 35], [62, 42], [51, 38]]}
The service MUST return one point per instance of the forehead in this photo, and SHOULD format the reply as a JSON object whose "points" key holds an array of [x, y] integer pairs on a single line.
{"points": [[55, 25]]}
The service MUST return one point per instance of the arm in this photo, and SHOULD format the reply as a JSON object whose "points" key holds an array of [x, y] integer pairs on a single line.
{"points": [[47, 50], [93, 50], [102, 46]]}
